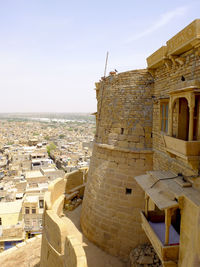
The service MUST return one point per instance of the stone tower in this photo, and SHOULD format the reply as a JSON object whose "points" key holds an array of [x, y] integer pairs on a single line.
{"points": [[123, 149]]}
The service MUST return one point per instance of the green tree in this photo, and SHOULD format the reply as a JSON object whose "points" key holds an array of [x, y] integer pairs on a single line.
{"points": [[50, 147]]}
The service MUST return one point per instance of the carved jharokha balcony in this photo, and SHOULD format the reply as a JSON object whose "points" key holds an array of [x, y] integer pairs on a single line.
{"points": [[187, 150], [167, 253]]}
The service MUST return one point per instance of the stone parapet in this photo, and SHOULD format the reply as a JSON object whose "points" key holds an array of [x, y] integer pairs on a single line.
{"points": [[59, 248]]}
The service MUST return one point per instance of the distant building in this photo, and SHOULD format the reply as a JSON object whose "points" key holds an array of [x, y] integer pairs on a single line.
{"points": [[32, 210], [11, 224]]}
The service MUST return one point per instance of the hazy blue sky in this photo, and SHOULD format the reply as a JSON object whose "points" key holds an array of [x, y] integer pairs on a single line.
{"points": [[53, 51]]}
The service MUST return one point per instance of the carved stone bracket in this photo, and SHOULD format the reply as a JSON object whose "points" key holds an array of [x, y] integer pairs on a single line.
{"points": [[168, 63], [173, 59], [180, 60], [197, 51], [152, 72]]}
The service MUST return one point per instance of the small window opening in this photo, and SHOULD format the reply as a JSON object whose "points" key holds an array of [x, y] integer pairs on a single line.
{"points": [[128, 191], [41, 203], [182, 78], [33, 210], [30, 235], [122, 130], [26, 210], [0, 221]]}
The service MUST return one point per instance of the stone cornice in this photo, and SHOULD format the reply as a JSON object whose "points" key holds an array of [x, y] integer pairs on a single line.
{"points": [[185, 39], [182, 42]]}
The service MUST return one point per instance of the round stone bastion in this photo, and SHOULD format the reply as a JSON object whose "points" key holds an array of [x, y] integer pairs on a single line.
{"points": [[113, 201]]}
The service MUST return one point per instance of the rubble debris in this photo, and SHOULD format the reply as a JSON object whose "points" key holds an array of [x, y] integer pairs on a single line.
{"points": [[144, 256]]}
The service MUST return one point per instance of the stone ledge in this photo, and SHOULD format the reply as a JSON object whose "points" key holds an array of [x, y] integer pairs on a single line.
{"points": [[184, 86], [135, 151]]}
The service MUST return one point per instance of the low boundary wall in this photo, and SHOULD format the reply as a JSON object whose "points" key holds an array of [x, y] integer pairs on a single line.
{"points": [[59, 248]]}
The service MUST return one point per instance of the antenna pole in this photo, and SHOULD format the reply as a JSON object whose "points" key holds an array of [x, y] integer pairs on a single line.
{"points": [[106, 65]]}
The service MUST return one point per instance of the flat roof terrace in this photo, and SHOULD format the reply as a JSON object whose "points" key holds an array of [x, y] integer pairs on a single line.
{"points": [[33, 174]]}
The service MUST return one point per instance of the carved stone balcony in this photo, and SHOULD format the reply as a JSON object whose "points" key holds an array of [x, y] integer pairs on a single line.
{"points": [[167, 254], [187, 150]]}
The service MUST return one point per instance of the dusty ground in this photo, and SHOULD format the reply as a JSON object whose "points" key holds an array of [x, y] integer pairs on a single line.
{"points": [[26, 256], [95, 256]]}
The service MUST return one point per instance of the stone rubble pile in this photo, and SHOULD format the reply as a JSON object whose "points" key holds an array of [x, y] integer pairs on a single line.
{"points": [[73, 204], [144, 256]]}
